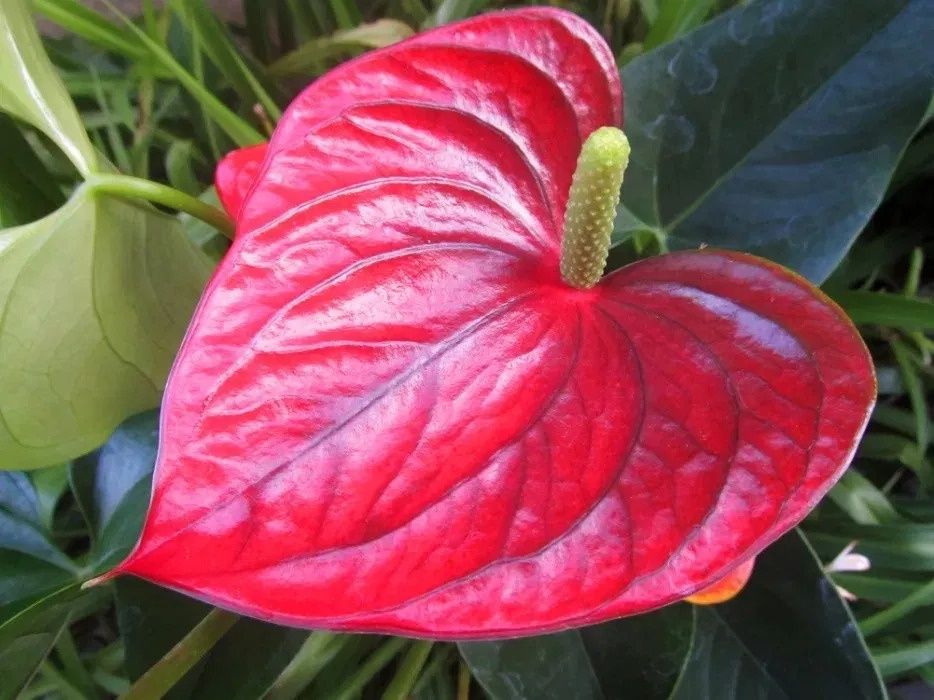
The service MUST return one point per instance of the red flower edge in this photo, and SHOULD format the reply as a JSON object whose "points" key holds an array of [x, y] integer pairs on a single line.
{"points": [[391, 414]]}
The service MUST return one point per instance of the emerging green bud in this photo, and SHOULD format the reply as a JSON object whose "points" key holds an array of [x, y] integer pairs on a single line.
{"points": [[592, 201]]}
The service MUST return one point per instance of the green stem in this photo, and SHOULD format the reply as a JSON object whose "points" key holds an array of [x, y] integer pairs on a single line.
{"points": [[180, 659], [406, 676], [373, 665], [136, 187], [317, 652], [463, 681], [72, 665]]}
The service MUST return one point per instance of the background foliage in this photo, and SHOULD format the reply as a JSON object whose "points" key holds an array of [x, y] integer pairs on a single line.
{"points": [[796, 129]]}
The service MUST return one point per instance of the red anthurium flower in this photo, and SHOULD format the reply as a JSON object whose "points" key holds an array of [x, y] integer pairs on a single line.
{"points": [[393, 412]]}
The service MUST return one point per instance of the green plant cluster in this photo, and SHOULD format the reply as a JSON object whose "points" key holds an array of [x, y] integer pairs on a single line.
{"points": [[799, 130]]}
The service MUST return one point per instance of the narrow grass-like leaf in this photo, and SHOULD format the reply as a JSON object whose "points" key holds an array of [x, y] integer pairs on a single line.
{"points": [[453, 10], [895, 662], [80, 20], [315, 55], [923, 595], [257, 18], [676, 18], [220, 48], [894, 418], [111, 127], [902, 546], [236, 128], [303, 22], [916, 393], [346, 13], [874, 587], [862, 501], [890, 310]]}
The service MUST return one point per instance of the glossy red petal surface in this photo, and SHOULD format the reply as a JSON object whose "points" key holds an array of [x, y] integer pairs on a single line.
{"points": [[236, 174], [391, 414]]}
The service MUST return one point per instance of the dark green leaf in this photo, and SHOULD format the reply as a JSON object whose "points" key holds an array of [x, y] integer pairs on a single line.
{"points": [[27, 190], [31, 566], [241, 667], [636, 657], [50, 485], [776, 127], [113, 487], [102, 480], [28, 637], [787, 635]]}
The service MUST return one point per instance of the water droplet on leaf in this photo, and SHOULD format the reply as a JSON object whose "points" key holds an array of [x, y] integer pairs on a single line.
{"points": [[694, 70], [675, 132]]}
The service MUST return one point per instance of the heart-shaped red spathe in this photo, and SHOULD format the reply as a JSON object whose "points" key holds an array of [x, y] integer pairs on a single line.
{"points": [[390, 412]]}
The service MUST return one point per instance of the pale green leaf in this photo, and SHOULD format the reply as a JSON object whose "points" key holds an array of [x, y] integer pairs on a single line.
{"points": [[31, 90], [94, 300]]}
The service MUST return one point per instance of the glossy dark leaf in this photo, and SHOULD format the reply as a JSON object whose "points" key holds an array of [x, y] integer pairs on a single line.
{"points": [[31, 565], [787, 635], [776, 127], [391, 413], [241, 666], [104, 479], [638, 657], [27, 637]]}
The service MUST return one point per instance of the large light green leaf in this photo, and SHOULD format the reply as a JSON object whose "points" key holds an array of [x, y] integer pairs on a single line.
{"points": [[94, 300], [31, 90], [788, 635], [776, 128]]}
